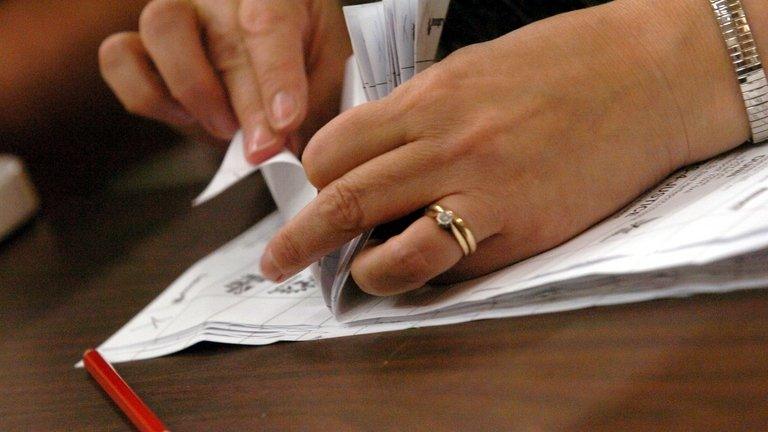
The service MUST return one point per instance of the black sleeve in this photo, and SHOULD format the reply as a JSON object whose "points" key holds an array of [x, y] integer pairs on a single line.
{"points": [[473, 21]]}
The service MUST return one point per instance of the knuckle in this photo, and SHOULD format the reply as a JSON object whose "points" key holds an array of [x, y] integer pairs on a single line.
{"points": [[162, 16], [287, 252], [430, 86], [411, 97], [424, 98], [279, 73], [259, 18], [462, 147], [341, 207], [191, 91], [434, 152], [315, 157], [483, 140], [413, 263], [250, 110], [311, 161], [373, 285], [226, 51], [113, 51], [402, 268]]}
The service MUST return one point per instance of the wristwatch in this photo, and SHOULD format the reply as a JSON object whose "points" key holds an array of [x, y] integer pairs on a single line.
{"points": [[746, 62]]}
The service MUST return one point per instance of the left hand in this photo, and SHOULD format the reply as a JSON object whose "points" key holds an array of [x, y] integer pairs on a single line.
{"points": [[272, 68], [530, 138]]}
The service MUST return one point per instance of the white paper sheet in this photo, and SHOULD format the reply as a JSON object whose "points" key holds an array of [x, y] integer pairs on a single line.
{"points": [[702, 230], [223, 298], [353, 16], [404, 12], [430, 17]]}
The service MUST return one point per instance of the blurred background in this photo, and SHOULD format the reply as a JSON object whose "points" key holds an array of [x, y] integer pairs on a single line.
{"points": [[55, 110]]}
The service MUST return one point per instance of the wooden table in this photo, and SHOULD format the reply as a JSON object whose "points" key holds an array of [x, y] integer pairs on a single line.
{"points": [[91, 261]]}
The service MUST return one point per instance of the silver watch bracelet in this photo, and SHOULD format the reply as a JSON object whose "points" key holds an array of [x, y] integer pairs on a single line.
{"points": [[746, 62]]}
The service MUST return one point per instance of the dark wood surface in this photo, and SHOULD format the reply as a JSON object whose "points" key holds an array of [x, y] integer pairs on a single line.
{"points": [[90, 261]]}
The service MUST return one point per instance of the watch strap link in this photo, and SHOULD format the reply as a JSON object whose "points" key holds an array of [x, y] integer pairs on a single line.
{"points": [[743, 53]]}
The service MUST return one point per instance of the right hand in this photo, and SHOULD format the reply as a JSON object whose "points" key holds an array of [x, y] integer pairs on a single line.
{"points": [[208, 67]]}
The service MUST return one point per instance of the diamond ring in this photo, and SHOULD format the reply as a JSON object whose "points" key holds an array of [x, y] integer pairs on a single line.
{"points": [[450, 221]]}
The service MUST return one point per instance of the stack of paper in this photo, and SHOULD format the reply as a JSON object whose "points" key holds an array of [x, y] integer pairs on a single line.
{"points": [[704, 229], [393, 40]]}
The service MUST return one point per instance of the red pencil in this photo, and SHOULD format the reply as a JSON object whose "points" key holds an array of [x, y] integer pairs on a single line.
{"points": [[137, 411]]}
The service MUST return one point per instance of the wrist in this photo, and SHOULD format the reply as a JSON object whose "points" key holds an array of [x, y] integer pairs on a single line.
{"points": [[681, 44], [757, 14]]}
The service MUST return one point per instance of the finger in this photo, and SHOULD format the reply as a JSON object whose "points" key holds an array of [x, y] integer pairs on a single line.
{"points": [[411, 113], [130, 74], [169, 31], [387, 188], [353, 138], [273, 32], [229, 56], [325, 66], [493, 254], [423, 251], [260, 142]]}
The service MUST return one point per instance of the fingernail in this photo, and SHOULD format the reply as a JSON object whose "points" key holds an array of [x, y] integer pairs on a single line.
{"points": [[283, 109], [261, 138], [268, 267]]}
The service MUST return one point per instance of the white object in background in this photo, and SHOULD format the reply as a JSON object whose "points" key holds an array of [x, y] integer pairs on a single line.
{"points": [[430, 17], [18, 200]]}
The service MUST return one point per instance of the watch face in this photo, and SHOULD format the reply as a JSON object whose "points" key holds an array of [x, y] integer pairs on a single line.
{"points": [[474, 21]]}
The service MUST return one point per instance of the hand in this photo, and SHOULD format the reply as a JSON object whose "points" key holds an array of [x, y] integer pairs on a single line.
{"points": [[272, 67], [530, 138]]}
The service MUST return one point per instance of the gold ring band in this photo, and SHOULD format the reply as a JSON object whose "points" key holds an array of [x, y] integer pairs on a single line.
{"points": [[450, 221], [460, 239], [467, 234]]}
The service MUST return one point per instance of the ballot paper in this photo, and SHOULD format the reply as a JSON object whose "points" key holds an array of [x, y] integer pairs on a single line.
{"points": [[393, 39], [702, 230]]}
